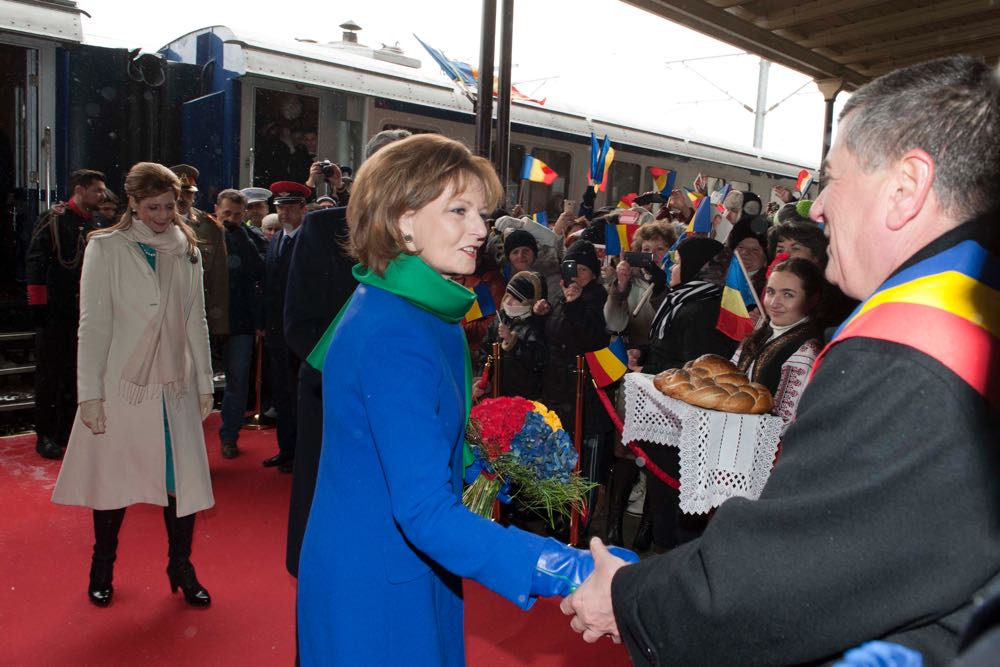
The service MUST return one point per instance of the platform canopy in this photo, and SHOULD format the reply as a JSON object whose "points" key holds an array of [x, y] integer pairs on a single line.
{"points": [[850, 40]]}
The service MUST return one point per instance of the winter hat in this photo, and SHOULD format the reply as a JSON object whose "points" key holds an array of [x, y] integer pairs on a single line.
{"points": [[695, 252], [755, 228], [583, 252], [527, 287], [519, 238]]}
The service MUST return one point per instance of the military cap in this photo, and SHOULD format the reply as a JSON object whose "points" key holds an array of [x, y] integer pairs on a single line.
{"points": [[255, 195], [325, 198], [188, 176], [290, 192]]}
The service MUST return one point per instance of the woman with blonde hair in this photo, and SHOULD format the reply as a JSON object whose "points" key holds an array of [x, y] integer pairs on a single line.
{"points": [[144, 381], [388, 540]]}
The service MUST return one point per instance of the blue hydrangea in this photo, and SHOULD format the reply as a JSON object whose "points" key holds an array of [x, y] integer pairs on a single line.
{"points": [[550, 454]]}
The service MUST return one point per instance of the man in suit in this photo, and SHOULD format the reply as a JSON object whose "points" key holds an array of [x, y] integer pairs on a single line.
{"points": [[880, 519], [290, 200], [319, 284]]}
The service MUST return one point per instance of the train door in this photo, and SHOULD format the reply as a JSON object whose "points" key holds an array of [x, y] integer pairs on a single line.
{"points": [[286, 127]]}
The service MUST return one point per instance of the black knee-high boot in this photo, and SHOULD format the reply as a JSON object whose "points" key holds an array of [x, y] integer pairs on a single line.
{"points": [[622, 479], [107, 523], [180, 532]]}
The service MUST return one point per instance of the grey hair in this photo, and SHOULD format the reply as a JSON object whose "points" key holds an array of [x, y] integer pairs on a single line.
{"points": [[383, 139], [232, 195], [950, 108]]}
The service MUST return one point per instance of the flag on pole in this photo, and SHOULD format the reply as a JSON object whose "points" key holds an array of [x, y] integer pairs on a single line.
{"points": [[618, 238], [626, 200], [601, 157], [803, 182], [541, 218], [536, 171], [719, 197], [462, 74], [668, 257], [701, 222], [609, 364], [663, 180], [483, 306], [737, 294]]}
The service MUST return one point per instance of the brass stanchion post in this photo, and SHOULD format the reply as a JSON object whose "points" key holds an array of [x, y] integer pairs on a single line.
{"points": [[256, 422]]}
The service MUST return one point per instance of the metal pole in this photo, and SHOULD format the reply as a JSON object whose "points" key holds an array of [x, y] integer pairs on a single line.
{"points": [[502, 158], [574, 517], [830, 88], [256, 423], [761, 110], [484, 105], [496, 369]]}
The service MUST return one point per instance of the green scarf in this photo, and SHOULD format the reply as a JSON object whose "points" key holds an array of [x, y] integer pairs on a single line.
{"points": [[409, 276]]}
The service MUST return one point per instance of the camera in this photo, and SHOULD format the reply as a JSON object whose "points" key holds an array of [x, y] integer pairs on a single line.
{"points": [[639, 260], [327, 168]]}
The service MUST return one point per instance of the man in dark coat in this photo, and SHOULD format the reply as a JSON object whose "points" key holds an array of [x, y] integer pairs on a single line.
{"points": [[881, 519], [53, 266], [246, 271], [290, 200]]}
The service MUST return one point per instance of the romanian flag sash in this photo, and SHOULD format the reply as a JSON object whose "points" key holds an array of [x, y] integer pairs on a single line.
{"points": [[946, 306]]}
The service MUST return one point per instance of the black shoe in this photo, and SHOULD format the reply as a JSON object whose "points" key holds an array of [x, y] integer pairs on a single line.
{"points": [[643, 536], [279, 458], [100, 589], [182, 576], [230, 450], [287, 466], [47, 448]]}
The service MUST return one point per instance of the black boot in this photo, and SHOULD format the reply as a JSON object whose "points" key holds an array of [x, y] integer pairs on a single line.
{"points": [[644, 534], [622, 479], [48, 448], [107, 523], [180, 532]]}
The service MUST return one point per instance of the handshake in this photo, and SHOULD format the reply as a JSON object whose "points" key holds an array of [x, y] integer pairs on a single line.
{"points": [[583, 579]]}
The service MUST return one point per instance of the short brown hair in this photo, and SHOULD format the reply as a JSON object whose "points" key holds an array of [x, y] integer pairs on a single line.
{"points": [[232, 195], [652, 230], [405, 176], [85, 178]]}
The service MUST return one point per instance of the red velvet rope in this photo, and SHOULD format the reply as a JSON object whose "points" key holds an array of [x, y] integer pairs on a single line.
{"points": [[633, 446]]}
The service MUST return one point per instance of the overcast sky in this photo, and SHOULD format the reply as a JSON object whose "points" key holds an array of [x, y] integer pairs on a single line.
{"points": [[599, 57]]}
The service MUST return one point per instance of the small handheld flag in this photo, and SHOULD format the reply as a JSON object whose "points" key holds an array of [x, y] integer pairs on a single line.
{"points": [[541, 218], [803, 182], [719, 197], [600, 161], [483, 306], [609, 364], [701, 223], [737, 295], [663, 180], [536, 171], [626, 200], [618, 238]]}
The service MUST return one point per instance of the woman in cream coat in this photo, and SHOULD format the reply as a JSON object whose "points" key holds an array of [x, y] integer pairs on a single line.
{"points": [[144, 381]]}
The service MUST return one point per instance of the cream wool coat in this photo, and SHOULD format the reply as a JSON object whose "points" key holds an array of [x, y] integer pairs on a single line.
{"points": [[119, 294]]}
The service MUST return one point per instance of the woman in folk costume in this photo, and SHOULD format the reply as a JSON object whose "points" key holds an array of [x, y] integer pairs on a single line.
{"points": [[144, 381], [388, 540], [780, 353]]}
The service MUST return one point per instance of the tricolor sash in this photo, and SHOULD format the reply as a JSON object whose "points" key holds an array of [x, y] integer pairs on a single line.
{"points": [[946, 306]]}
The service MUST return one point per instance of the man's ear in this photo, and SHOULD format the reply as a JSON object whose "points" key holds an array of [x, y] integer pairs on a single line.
{"points": [[912, 179]]}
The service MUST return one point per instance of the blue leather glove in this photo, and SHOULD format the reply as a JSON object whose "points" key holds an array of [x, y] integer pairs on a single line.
{"points": [[561, 569]]}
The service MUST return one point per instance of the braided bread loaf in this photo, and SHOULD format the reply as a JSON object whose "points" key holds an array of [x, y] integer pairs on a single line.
{"points": [[714, 383]]}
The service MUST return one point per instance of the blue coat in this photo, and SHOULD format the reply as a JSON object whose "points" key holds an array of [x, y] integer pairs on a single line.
{"points": [[388, 538]]}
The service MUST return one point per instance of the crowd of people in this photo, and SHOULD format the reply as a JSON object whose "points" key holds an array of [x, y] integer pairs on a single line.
{"points": [[357, 294]]}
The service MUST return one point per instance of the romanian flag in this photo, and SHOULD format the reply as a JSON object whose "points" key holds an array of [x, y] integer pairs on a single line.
{"points": [[694, 196], [601, 158], [541, 218], [483, 306], [948, 307], [663, 180], [608, 365], [626, 200], [536, 171], [701, 222], [719, 197], [803, 182], [618, 238], [737, 295]]}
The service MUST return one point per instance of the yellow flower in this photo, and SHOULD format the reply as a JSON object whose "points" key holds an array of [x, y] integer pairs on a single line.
{"points": [[550, 417]]}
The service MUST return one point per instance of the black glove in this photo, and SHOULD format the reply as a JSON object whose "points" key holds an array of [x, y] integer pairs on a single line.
{"points": [[589, 197], [656, 276]]}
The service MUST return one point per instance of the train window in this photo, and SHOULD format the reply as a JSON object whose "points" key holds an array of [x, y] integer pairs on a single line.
{"points": [[538, 196], [623, 178], [285, 140]]}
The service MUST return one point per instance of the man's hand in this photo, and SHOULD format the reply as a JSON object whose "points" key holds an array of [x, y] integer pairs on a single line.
{"points": [[590, 604], [315, 175], [92, 416], [572, 293]]}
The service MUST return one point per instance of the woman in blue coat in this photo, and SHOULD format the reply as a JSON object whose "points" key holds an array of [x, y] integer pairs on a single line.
{"points": [[388, 540]]}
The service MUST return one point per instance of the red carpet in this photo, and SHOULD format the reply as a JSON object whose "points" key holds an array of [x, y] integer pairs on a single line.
{"points": [[239, 550]]}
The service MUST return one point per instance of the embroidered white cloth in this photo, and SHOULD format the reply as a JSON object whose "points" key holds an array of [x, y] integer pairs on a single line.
{"points": [[722, 455]]}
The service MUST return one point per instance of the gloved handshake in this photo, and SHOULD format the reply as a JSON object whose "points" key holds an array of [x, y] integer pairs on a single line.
{"points": [[561, 569]]}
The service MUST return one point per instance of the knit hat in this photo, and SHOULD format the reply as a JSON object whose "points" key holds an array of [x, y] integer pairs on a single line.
{"points": [[527, 287], [583, 252], [519, 238], [695, 253], [755, 228]]}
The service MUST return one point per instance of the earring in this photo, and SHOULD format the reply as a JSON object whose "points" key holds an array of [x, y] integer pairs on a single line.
{"points": [[407, 238]]}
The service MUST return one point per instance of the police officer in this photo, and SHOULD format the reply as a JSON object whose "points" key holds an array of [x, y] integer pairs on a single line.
{"points": [[290, 200], [53, 266]]}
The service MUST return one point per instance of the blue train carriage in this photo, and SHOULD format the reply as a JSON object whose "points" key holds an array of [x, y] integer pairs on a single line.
{"points": [[275, 104]]}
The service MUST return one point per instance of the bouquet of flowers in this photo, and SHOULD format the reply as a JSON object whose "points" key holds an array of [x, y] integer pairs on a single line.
{"points": [[521, 451]]}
